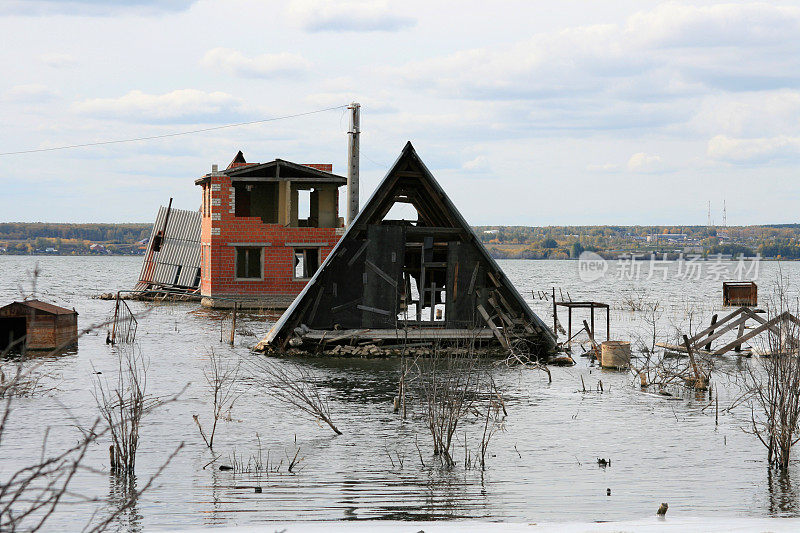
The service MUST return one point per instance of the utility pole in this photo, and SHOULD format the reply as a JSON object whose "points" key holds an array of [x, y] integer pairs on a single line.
{"points": [[352, 161]]}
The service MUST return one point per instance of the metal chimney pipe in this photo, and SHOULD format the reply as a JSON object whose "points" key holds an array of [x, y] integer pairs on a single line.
{"points": [[352, 161]]}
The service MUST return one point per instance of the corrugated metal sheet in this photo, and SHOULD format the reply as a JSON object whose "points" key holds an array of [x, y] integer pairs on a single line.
{"points": [[177, 263]]}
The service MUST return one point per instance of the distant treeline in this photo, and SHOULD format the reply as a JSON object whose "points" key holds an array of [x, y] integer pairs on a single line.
{"points": [[69, 239], [110, 233], [561, 242], [512, 242]]}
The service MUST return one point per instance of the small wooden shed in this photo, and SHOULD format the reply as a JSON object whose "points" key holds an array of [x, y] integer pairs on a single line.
{"points": [[43, 326]]}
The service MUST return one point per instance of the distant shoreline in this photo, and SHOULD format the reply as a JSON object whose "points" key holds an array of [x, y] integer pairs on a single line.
{"points": [[776, 241]]}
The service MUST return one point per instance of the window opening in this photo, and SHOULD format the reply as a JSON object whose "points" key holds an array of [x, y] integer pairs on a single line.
{"points": [[306, 262], [248, 262]]}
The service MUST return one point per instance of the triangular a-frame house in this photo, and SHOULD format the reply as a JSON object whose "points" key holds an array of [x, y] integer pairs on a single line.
{"points": [[410, 280]]}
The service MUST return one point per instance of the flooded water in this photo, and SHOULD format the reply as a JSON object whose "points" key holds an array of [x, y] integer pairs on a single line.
{"points": [[543, 466]]}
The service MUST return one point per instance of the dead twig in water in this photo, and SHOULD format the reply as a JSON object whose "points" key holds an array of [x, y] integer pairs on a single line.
{"points": [[221, 379], [293, 385]]}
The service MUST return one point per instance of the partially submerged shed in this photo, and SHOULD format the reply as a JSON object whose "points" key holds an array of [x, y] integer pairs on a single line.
{"points": [[392, 281], [36, 325], [172, 261]]}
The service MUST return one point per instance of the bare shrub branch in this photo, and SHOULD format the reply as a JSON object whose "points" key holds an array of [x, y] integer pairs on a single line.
{"points": [[221, 378], [293, 385]]}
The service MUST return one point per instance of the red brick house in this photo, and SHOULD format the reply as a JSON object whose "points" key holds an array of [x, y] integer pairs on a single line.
{"points": [[266, 228]]}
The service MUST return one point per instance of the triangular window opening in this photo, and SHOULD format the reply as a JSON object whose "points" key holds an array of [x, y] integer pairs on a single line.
{"points": [[402, 211]]}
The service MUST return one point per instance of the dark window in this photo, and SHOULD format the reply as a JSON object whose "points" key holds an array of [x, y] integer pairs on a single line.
{"points": [[248, 262], [306, 262], [242, 205]]}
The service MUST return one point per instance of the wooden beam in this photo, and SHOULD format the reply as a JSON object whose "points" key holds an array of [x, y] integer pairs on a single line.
{"points": [[713, 321], [508, 322], [381, 273], [345, 305], [761, 329], [591, 337], [733, 325], [693, 340], [738, 347], [760, 320], [491, 325], [315, 306], [358, 253], [374, 310], [698, 378]]}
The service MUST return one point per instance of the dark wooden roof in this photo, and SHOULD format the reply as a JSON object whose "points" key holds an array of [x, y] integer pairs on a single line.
{"points": [[238, 160], [277, 170], [409, 181], [16, 308]]}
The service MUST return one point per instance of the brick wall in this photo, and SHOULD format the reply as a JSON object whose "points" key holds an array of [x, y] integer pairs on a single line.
{"points": [[220, 228]]}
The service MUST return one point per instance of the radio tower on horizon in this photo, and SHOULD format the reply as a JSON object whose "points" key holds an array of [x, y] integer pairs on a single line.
{"points": [[708, 224], [724, 214]]}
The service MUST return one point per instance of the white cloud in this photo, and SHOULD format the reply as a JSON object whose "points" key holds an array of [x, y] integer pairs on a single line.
{"points": [[752, 114], [478, 164], [184, 105], [676, 25], [261, 66], [753, 150], [606, 167], [58, 60], [92, 7], [643, 162], [379, 103], [30, 94], [337, 16], [671, 51]]}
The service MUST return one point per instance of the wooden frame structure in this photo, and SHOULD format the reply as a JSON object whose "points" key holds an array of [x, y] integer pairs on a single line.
{"points": [[701, 341], [583, 305], [430, 277]]}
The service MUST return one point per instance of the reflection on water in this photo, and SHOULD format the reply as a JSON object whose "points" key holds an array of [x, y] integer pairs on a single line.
{"points": [[123, 503], [543, 465], [783, 493]]}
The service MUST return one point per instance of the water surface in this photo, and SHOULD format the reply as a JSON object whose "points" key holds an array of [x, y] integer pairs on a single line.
{"points": [[543, 466]]}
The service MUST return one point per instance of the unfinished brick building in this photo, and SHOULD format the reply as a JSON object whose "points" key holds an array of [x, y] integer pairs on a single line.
{"points": [[266, 227]]}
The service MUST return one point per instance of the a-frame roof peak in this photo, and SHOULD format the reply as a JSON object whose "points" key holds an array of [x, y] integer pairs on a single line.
{"points": [[238, 160], [408, 181]]}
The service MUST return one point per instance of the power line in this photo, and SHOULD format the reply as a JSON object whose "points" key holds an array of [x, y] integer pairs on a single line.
{"points": [[177, 134]]}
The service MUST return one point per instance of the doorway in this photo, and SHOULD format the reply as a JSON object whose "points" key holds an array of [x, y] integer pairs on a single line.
{"points": [[12, 329]]}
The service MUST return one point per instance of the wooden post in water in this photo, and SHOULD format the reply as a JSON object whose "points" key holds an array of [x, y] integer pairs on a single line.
{"points": [[698, 379], [710, 333], [555, 316], [738, 347], [595, 346], [114, 325], [569, 326]]}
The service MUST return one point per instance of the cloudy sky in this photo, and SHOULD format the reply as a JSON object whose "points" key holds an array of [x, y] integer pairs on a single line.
{"points": [[528, 111]]}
